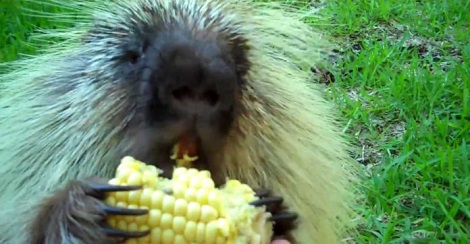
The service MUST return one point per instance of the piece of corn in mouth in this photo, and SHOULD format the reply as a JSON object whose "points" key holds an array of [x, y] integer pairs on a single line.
{"points": [[187, 208]]}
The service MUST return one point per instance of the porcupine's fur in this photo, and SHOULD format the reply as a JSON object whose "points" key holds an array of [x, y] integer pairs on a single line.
{"points": [[61, 113]]}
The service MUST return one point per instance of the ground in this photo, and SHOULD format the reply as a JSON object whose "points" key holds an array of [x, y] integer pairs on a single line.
{"points": [[400, 76]]}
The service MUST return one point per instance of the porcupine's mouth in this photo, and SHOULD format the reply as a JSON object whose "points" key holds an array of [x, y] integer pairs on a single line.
{"points": [[185, 150]]}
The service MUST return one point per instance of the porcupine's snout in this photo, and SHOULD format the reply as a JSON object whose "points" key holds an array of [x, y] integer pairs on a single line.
{"points": [[203, 87], [199, 84], [189, 86]]}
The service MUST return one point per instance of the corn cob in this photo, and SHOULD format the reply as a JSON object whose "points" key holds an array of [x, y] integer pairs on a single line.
{"points": [[187, 208]]}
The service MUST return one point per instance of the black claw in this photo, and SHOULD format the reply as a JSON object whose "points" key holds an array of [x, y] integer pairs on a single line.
{"points": [[284, 217], [266, 201], [262, 193], [123, 211], [110, 232], [101, 187]]}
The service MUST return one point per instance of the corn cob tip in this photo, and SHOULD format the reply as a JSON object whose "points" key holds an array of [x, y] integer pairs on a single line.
{"points": [[187, 208]]}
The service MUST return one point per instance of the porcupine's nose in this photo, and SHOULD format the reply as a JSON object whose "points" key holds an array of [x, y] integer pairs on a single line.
{"points": [[202, 83], [197, 99]]}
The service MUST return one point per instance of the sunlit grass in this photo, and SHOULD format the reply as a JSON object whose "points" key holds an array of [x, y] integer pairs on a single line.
{"points": [[403, 82]]}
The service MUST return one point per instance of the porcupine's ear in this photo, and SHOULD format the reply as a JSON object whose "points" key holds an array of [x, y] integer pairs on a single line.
{"points": [[239, 51], [100, 31]]}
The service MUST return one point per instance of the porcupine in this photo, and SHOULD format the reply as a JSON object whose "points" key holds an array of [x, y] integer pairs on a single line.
{"points": [[133, 78]]}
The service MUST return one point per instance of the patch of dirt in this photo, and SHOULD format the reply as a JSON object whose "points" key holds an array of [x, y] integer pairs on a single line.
{"points": [[443, 52], [431, 52], [370, 155], [368, 152], [440, 53]]}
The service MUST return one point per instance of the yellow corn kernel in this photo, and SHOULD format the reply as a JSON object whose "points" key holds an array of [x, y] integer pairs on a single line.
{"points": [[146, 197], [168, 204], [187, 208], [154, 217], [194, 211], [168, 236], [166, 222], [190, 231], [180, 207], [156, 235]]}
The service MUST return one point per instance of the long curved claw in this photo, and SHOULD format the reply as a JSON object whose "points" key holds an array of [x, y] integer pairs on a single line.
{"points": [[284, 217], [102, 187], [110, 232], [284, 221], [123, 211], [266, 201]]}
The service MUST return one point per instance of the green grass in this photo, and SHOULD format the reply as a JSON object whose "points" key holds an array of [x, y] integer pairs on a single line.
{"points": [[402, 80]]}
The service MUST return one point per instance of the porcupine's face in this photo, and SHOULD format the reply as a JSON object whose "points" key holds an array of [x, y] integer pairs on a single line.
{"points": [[184, 78]]}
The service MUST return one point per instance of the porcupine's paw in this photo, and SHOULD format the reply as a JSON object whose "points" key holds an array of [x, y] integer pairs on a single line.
{"points": [[284, 221], [77, 213]]}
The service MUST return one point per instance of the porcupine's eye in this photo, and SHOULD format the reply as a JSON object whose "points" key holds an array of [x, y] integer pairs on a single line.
{"points": [[135, 51], [132, 56]]}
